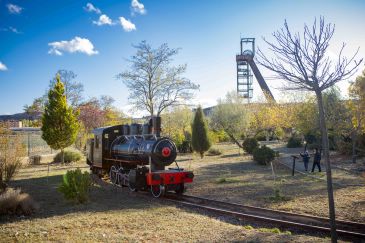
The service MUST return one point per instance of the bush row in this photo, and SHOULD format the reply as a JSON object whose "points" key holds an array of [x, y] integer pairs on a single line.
{"points": [[69, 156]]}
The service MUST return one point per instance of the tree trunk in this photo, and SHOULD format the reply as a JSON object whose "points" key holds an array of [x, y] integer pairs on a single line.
{"points": [[353, 139], [235, 140], [63, 156], [325, 147], [201, 155], [2, 183]]}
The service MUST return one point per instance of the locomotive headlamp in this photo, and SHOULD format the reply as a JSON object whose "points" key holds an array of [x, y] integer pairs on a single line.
{"points": [[166, 151]]}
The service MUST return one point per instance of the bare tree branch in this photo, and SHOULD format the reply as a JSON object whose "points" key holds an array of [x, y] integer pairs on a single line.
{"points": [[153, 83], [303, 61]]}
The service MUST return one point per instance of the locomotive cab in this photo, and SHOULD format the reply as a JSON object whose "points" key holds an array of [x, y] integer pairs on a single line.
{"points": [[136, 156]]}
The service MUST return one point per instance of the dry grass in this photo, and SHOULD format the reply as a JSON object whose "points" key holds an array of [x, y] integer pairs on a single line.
{"points": [[117, 215], [237, 178], [13, 201]]}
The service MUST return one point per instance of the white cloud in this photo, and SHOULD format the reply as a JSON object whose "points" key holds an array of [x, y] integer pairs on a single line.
{"points": [[14, 30], [14, 9], [137, 7], [11, 29], [77, 44], [3, 67], [103, 20], [127, 24], [91, 8]]}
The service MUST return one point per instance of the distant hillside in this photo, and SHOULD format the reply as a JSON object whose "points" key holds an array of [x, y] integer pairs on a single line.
{"points": [[20, 116]]}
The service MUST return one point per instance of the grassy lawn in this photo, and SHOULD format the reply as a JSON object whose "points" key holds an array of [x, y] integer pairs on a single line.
{"points": [[117, 215], [234, 177]]}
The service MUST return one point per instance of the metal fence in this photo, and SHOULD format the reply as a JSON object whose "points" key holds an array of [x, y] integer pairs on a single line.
{"points": [[35, 145], [32, 142]]}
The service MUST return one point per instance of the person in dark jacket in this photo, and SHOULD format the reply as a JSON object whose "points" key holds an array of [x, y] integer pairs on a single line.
{"points": [[305, 157], [317, 160]]}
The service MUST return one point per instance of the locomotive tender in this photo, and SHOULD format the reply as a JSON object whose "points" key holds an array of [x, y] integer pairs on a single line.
{"points": [[136, 156]]}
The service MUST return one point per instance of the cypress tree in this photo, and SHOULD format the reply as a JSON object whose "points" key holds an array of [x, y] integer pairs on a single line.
{"points": [[200, 139], [59, 121]]}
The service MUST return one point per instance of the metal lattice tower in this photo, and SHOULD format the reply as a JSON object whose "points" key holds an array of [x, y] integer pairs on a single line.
{"points": [[246, 68], [244, 73]]}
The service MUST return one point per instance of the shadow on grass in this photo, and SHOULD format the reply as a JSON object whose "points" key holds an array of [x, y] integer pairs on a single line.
{"points": [[231, 155], [102, 198], [253, 184]]}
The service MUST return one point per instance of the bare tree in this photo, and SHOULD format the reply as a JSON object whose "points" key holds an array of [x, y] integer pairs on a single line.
{"points": [[231, 116], [303, 61], [155, 84], [106, 102], [73, 89]]}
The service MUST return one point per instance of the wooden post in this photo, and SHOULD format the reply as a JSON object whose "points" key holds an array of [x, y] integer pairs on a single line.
{"points": [[294, 158], [273, 172]]}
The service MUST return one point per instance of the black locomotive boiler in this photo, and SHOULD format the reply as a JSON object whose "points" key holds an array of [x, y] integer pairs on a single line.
{"points": [[136, 156]]}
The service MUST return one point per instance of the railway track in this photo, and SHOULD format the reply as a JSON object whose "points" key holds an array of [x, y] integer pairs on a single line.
{"points": [[311, 224]]}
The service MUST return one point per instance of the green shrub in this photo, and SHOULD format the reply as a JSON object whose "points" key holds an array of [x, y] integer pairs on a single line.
{"points": [[70, 156], [263, 155], [312, 137], [279, 133], [294, 142], [221, 180], [214, 151], [277, 154], [272, 230], [13, 201], [250, 144], [185, 147], [218, 136], [261, 136], [75, 185], [248, 227], [200, 140], [278, 197]]}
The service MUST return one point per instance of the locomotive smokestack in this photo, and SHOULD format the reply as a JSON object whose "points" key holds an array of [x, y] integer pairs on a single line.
{"points": [[126, 129], [156, 125]]}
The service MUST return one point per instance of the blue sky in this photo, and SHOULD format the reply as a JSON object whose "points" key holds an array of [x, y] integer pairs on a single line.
{"points": [[208, 31]]}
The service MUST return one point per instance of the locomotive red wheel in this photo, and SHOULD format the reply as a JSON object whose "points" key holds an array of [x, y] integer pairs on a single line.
{"points": [[157, 190]]}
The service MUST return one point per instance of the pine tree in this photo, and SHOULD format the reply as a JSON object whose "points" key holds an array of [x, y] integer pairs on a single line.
{"points": [[200, 139], [60, 125]]}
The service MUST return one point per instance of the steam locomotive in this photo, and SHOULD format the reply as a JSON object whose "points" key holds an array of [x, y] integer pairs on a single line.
{"points": [[136, 156]]}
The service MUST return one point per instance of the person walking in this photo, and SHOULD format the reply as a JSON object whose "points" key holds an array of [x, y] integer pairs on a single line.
{"points": [[305, 157], [317, 160]]}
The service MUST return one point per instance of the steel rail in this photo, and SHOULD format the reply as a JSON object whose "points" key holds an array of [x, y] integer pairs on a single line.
{"points": [[346, 229]]}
